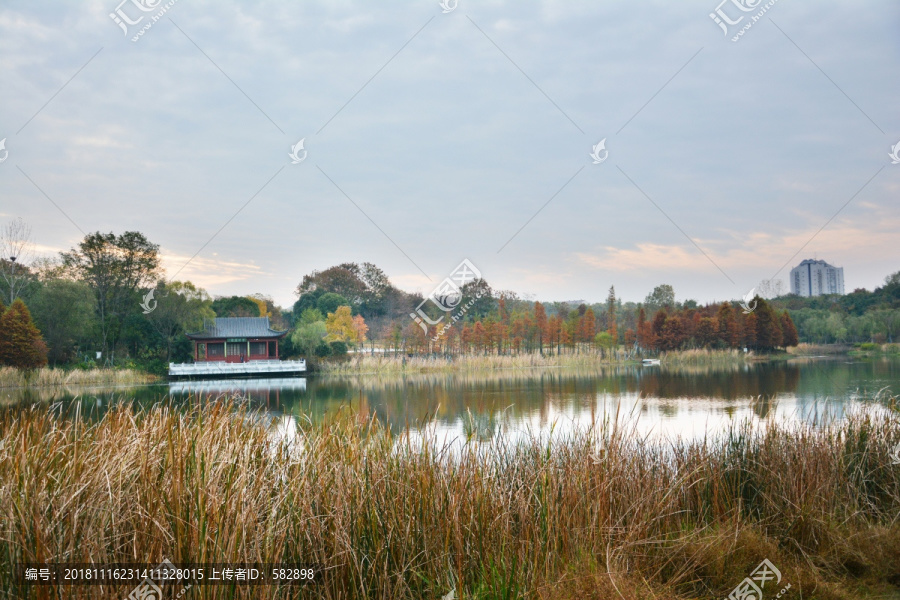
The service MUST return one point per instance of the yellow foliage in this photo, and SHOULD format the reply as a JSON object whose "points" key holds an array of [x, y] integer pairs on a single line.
{"points": [[339, 325]]}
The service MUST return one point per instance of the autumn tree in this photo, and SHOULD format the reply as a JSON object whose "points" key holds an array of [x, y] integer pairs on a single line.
{"points": [[339, 325], [672, 334], [21, 345], [788, 331], [728, 333], [588, 326], [768, 326], [360, 329], [749, 331], [706, 332]]}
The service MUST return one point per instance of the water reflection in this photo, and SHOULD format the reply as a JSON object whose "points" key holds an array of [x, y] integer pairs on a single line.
{"points": [[687, 400]]}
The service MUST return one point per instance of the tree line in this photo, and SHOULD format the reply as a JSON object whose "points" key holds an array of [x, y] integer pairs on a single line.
{"points": [[106, 301]]}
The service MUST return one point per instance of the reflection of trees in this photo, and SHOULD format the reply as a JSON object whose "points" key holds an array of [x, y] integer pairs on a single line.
{"points": [[530, 397], [742, 381], [412, 400]]}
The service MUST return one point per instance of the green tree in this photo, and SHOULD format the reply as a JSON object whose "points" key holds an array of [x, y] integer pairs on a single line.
{"points": [[181, 308], [662, 296], [480, 294], [65, 312], [115, 267], [21, 345], [611, 314], [235, 306], [330, 302], [309, 337]]}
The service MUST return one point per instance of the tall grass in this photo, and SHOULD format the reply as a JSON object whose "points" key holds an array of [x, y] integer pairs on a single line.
{"points": [[391, 364], [390, 517], [50, 376]]}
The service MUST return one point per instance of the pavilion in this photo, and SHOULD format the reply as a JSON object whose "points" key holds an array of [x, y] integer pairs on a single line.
{"points": [[236, 340]]}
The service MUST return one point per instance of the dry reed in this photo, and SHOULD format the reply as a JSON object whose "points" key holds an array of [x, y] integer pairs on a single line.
{"points": [[385, 517], [50, 376]]}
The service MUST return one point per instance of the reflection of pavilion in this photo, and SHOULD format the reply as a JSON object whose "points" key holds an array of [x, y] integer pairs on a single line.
{"points": [[264, 391]]}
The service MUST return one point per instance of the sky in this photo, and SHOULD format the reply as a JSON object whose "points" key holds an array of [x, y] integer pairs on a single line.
{"points": [[435, 133]]}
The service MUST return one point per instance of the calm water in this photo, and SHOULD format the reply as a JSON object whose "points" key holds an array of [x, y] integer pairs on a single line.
{"points": [[687, 401]]}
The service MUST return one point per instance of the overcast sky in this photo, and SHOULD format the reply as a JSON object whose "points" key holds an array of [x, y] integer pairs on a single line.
{"points": [[432, 136]]}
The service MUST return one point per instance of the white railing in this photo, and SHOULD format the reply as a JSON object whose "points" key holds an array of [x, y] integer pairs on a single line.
{"points": [[255, 367]]}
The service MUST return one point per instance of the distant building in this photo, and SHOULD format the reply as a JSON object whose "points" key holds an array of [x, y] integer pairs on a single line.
{"points": [[816, 277]]}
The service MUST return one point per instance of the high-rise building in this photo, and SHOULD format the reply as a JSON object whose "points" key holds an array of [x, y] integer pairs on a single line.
{"points": [[816, 277]]}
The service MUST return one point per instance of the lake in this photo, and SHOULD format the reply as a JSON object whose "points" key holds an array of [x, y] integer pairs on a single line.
{"points": [[687, 401]]}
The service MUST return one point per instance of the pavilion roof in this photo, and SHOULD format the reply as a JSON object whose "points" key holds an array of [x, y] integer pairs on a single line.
{"points": [[237, 327]]}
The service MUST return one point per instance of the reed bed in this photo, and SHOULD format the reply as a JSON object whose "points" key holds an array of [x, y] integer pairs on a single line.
{"points": [[600, 513], [705, 356], [369, 364], [805, 349], [390, 364], [50, 376]]}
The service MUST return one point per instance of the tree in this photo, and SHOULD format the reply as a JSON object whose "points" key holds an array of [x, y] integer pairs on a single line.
{"points": [[611, 314], [235, 306], [662, 296], [329, 302], [181, 308], [729, 335], [587, 326], [339, 325], [604, 341], [16, 250], [115, 267], [788, 331], [540, 322], [309, 337], [672, 333], [21, 345], [706, 332], [65, 312], [360, 330], [749, 330], [480, 294], [768, 326]]}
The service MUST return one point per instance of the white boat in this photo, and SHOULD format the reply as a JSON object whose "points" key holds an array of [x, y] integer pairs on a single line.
{"points": [[650, 361]]}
